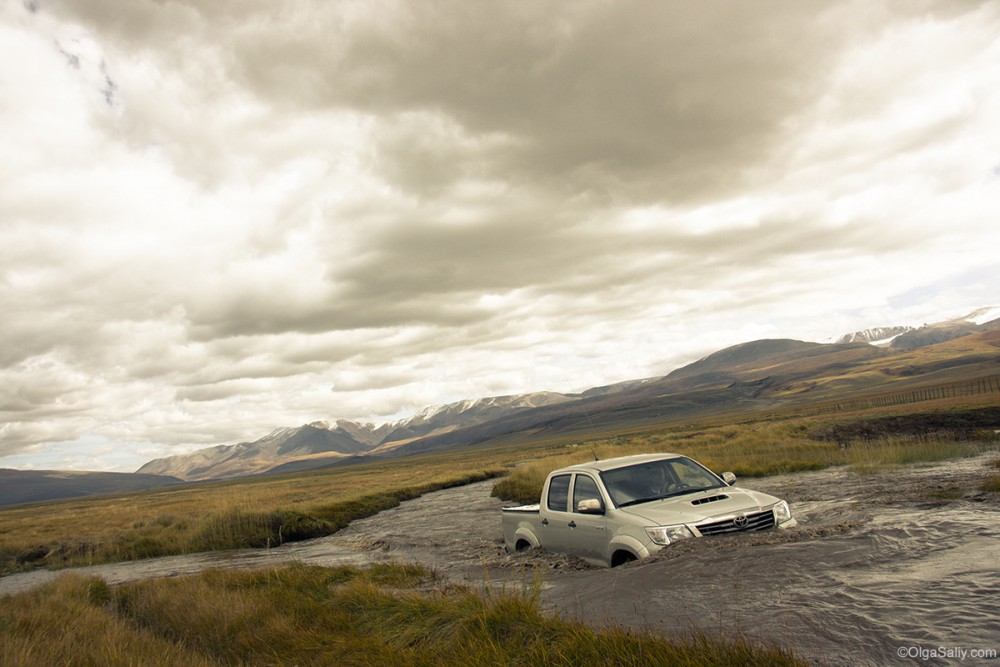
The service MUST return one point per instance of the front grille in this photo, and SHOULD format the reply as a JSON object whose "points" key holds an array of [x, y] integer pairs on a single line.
{"points": [[710, 499], [754, 521]]}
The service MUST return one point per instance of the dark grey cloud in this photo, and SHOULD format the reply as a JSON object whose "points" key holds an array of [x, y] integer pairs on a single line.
{"points": [[650, 102], [669, 102]]}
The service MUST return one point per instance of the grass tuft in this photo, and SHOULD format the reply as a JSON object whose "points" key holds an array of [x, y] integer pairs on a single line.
{"points": [[992, 484]]}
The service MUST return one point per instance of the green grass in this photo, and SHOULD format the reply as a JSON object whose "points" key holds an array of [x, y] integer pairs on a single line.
{"points": [[302, 615]]}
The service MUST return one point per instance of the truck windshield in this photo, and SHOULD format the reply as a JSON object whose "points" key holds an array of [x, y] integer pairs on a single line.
{"points": [[655, 480]]}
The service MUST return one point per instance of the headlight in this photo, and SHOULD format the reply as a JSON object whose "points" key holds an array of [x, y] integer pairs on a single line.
{"points": [[781, 512], [666, 534]]}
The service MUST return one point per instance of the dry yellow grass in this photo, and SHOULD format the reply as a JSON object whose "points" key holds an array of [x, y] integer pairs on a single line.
{"points": [[750, 449], [220, 515], [301, 615]]}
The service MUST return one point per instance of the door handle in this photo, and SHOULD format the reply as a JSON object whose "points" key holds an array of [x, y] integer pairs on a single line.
{"points": [[572, 524], [545, 522]]}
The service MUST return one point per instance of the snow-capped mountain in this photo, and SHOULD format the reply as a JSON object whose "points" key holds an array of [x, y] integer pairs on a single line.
{"points": [[908, 337], [983, 315], [247, 458], [442, 418], [875, 336], [331, 440]]}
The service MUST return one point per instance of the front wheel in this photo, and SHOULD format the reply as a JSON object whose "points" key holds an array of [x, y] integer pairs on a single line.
{"points": [[622, 557]]}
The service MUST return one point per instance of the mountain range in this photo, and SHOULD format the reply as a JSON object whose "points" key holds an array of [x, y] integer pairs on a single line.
{"points": [[321, 443], [756, 375], [759, 373]]}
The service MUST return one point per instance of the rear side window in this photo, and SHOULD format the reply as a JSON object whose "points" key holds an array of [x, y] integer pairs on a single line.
{"points": [[558, 493]]}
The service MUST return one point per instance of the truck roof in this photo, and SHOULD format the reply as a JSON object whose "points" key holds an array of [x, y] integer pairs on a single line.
{"points": [[619, 462]]}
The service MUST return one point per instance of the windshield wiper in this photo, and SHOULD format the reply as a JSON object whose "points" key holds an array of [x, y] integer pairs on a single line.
{"points": [[637, 501], [681, 493]]}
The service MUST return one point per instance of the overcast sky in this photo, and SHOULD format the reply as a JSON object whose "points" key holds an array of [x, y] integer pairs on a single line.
{"points": [[219, 218]]}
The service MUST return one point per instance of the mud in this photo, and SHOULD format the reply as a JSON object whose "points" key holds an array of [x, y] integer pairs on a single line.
{"points": [[904, 560]]}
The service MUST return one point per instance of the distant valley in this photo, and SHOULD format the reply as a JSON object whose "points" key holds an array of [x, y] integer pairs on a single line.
{"points": [[31, 486]]}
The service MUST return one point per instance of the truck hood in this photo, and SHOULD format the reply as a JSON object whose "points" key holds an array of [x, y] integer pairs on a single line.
{"points": [[701, 506]]}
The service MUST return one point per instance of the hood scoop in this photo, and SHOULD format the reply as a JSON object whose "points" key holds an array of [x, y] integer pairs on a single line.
{"points": [[709, 499]]}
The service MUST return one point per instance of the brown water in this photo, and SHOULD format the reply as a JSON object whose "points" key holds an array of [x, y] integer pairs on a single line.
{"points": [[919, 579], [880, 564]]}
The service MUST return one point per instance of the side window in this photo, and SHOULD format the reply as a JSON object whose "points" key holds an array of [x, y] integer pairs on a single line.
{"points": [[558, 493], [586, 488]]}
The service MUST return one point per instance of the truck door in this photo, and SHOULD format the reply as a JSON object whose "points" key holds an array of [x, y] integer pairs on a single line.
{"points": [[590, 534], [554, 517], [567, 530]]}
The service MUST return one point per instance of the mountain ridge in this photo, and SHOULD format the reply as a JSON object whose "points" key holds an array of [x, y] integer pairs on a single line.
{"points": [[340, 438], [734, 372], [740, 373]]}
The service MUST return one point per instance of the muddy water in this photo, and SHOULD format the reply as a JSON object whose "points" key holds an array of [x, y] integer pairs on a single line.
{"points": [[881, 570], [906, 579], [907, 561]]}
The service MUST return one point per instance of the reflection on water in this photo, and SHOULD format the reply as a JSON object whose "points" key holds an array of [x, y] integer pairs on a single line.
{"points": [[171, 566], [877, 564]]}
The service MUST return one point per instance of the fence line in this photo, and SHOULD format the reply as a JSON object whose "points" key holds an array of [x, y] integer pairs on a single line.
{"points": [[987, 385]]}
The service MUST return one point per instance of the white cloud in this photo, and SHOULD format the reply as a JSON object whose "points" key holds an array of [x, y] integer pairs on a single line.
{"points": [[211, 216]]}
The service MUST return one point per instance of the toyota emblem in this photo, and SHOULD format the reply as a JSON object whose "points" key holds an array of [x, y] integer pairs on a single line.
{"points": [[740, 521]]}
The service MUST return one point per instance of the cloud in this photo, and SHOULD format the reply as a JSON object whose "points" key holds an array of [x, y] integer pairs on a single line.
{"points": [[591, 98], [212, 215]]}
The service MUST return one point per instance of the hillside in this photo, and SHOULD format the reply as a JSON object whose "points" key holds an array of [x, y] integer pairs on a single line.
{"points": [[29, 486], [754, 376], [252, 457]]}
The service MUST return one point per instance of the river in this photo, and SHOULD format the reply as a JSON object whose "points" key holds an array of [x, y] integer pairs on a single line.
{"points": [[899, 567]]}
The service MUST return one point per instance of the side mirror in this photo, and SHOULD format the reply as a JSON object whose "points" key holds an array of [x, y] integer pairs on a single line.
{"points": [[590, 506], [729, 478]]}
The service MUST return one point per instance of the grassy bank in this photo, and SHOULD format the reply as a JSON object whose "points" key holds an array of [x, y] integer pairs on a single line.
{"points": [[208, 517], [759, 448], [298, 615]]}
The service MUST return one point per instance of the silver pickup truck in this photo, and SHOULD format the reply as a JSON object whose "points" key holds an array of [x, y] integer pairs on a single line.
{"points": [[619, 510]]}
